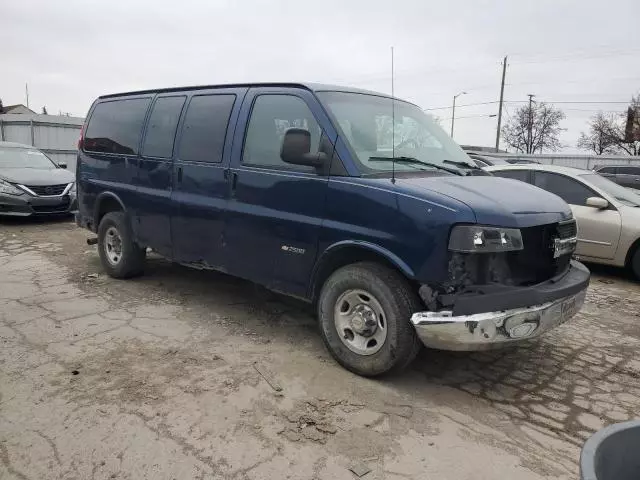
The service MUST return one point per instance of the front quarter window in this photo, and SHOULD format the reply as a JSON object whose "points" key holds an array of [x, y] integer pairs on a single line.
{"points": [[375, 127]]}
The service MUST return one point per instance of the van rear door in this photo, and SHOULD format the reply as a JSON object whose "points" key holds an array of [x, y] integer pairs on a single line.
{"points": [[155, 171], [200, 185]]}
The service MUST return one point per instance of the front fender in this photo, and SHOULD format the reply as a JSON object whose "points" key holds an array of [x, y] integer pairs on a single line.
{"points": [[388, 255], [330, 258]]}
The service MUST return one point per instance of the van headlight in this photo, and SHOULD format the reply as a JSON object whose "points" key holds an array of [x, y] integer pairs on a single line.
{"points": [[6, 187], [484, 239]]}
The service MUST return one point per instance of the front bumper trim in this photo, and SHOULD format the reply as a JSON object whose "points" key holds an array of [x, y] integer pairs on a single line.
{"points": [[490, 330]]}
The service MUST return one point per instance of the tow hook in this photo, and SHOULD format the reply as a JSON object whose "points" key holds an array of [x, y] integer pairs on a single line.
{"points": [[92, 241]]}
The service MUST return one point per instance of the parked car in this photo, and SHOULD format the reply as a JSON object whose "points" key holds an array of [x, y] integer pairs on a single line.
{"points": [[32, 184], [487, 161], [625, 175], [608, 214], [299, 188]]}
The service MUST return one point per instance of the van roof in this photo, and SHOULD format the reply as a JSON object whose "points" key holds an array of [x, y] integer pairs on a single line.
{"points": [[314, 87]]}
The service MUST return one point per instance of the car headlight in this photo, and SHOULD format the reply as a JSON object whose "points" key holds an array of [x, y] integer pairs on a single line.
{"points": [[9, 189], [73, 189], [484, 239]]}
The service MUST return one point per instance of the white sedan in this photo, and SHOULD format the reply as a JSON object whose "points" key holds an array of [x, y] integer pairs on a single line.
{"points": [[607, 214]]}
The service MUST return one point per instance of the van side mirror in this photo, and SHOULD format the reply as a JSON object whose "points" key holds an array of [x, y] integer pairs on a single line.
{"points": [[296, 149], [597, 202], [62, 164]]}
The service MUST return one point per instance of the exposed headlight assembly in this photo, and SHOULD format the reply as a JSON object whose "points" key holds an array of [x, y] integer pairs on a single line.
{"points": [[484, 239], [9, 189]]}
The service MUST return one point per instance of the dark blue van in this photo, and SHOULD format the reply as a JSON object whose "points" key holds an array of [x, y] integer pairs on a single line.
{"points": [[345, 198]]}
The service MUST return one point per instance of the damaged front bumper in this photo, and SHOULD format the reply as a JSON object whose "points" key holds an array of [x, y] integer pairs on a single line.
{"points": [[552, 303]]}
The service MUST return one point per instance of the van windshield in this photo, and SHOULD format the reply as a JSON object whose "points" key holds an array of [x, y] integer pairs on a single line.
{"points": [[366, 123]]}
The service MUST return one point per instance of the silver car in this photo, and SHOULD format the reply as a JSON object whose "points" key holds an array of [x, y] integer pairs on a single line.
{"points": [[608, 214], [31, 184]]}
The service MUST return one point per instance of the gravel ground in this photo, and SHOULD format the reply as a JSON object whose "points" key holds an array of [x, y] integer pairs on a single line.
{"points": [[185, 374]]}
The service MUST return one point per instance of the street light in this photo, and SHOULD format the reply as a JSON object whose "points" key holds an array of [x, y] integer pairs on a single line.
{"points": [[453, 114]]}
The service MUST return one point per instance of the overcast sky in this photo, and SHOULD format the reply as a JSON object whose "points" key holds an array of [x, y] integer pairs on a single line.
{"points": [[70, 51]]}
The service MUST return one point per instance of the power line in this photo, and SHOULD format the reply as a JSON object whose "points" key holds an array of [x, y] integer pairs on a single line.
{"points": [[472, 116], [578, 57], [567, 102], [464, 105]]}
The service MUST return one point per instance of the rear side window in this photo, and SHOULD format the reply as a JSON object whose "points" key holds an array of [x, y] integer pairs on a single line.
{"points": [[161, 130], [115, 127], [205, 128], [570, 190], [629, 170], [522, 175], [607, 170]]}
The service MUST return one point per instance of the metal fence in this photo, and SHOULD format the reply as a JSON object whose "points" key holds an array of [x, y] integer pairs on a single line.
{"points": [[57, 136], [586, 162]]}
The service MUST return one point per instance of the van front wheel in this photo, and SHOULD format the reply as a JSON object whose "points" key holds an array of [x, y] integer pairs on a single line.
{"points": [[364, 312], [121, 257]]}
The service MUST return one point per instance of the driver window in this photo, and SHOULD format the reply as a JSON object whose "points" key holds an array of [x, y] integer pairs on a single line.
{"points": [[271, 116]]}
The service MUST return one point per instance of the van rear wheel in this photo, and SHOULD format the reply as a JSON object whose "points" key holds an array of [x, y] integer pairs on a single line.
{"points": [[364, 312], [121, 257]]}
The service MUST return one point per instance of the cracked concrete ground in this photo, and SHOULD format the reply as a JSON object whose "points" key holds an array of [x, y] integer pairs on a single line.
{"points": [[171, 376]]}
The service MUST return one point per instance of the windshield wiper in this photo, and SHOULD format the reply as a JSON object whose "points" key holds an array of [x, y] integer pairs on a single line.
{"points": [[415, 161], [462, 164]]}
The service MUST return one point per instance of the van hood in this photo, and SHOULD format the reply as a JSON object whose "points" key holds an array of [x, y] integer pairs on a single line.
{"points": [[494, 200], [35, 176]]}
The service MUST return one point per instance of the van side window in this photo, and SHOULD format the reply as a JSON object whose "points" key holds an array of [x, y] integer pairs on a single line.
{"points": [[161, 130], [271, 116], [205, 128], [115, 126]]}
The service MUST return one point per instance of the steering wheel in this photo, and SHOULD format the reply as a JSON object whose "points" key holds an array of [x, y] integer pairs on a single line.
{"points": [[406, 142]]}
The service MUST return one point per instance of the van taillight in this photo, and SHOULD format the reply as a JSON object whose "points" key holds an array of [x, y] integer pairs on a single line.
{"points": [[81, 139]]}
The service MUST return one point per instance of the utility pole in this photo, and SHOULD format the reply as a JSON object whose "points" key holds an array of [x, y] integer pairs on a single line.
{"points": [[26, 90], [530, 126], [504, 72], [453, 113]]}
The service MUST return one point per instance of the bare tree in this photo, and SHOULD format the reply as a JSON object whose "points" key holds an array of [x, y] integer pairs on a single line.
{"points": [[614, 133], [631, 143], [544, 122], [603, 135]]}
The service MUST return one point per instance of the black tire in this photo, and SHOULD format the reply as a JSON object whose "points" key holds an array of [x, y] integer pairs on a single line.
{"points": [[130, 262], [394, 295], [635, 263]]}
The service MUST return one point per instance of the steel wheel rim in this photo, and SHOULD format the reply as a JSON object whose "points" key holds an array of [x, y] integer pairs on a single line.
{"points": [[113, 246], [360, 322]]}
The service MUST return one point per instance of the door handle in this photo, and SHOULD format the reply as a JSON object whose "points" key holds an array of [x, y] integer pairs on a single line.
{"points": [[179, 174], [234, 183]]}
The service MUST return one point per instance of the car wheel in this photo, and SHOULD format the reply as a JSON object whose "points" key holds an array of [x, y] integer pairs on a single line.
{"points": [[364, 311], [121, 257]]}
